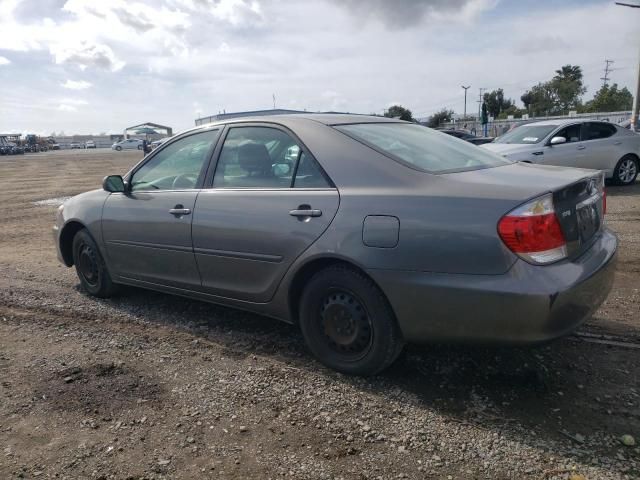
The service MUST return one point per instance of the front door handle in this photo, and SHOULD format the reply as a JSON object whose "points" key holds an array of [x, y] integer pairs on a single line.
{"points": [[179, 211], [305, 213], [581, 147]]}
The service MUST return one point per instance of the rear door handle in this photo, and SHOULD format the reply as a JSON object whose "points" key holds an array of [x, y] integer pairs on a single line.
{"points": [[305, 213], [179, 210], [581, 147]]}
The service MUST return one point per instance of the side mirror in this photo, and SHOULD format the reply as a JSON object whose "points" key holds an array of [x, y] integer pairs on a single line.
{"points": [[557, 141], [113, 184]]}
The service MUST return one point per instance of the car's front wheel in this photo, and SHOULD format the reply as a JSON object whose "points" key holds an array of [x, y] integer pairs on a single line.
{"points": [[118, 148], [90, 266], [626, 170], [348, 323]]}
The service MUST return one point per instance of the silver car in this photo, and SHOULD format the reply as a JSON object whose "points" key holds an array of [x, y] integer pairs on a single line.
{"points": [[127, 144], [575, 143], [366, 232]]}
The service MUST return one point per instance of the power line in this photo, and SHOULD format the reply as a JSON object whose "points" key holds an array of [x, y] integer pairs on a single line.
{"points": [[605, 79]]}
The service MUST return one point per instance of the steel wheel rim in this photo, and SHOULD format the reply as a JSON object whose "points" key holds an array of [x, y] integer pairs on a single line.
{"points": [[88, 265], [627, 171], [345, 325]]}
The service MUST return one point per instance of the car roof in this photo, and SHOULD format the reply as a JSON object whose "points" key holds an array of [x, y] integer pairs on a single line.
{"points": [[564, 121], [293, 118]]}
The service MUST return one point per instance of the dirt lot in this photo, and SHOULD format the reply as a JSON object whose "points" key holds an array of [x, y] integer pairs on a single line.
{"points": [[152, 386]]}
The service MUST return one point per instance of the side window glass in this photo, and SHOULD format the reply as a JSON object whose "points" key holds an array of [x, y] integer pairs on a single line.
{"points": [[256, 157], [177, 166], [597, 131], [571, 133], [309, 174]]}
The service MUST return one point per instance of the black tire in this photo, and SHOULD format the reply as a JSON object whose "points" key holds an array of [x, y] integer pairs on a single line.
{"points": [[348, 323], [626, 170], [118, 148], [90, 266], [139, 147]]}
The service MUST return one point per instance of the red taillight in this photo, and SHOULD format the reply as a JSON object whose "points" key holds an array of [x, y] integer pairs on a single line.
{"points": [[533, 232]]}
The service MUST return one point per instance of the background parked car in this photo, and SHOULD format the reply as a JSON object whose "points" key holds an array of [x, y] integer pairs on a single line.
{"points": [[89, 144], [574, 143], [75, 145], [127, 144], [467, 136], [156, 143]]}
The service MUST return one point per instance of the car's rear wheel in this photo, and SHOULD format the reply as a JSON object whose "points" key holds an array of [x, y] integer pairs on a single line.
{"points": [[348, 323], [626, 170], [139, 147], [90, 266]]}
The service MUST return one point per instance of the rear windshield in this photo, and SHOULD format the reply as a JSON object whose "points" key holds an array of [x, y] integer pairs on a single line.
{"points": [[526, 134], [422, 147]]}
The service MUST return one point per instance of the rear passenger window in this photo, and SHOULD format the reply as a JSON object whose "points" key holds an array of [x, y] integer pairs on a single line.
{"points": [[265, 157], [596, 131]]}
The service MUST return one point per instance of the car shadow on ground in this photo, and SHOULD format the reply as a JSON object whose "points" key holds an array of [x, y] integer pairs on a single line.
{"points": [[620, 191], [568, 385]]}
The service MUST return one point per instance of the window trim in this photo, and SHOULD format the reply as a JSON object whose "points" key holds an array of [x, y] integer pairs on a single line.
{"points": [[208, 181], [201, 176]]}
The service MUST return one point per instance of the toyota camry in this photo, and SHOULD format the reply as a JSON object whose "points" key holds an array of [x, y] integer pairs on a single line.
{"points": [[367, 232]]}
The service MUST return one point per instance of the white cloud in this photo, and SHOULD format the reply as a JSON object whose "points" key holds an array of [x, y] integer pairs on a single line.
{"points": [[73, 101], [63, 107], [4, 61], [86, 54], [76, 84]]}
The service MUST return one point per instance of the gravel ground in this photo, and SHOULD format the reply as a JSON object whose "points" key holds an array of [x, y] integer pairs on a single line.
{"points": [[151, 386]]}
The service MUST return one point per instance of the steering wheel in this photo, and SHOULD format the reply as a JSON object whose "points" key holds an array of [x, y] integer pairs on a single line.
{"points": [[184, 180]]}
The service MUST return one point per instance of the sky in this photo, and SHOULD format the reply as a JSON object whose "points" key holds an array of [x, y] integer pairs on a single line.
{"points": [[88, 67]]}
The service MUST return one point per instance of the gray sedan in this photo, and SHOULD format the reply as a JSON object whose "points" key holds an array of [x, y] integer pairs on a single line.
{"points": [[366, 232]]}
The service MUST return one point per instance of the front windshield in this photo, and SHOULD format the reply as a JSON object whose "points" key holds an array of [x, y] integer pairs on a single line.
{"points": [[422, 147], [526, 134]]}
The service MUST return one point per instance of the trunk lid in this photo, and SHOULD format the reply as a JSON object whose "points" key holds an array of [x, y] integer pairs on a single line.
{"points": [[577, 195]]}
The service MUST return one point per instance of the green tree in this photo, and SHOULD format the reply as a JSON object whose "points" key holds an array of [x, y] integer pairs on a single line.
{"points": [[496, 103], [398, 111], [567, 88], [610, 99], [527, 99], [438, 118], [557, 96]]}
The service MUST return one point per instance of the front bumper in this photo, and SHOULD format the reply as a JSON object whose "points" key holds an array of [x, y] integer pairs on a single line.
{"points": [[528, 304]]}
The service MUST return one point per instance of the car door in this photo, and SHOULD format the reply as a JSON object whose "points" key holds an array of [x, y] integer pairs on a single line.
{"points": [[602, 145], [147, 230], [568, 154], [269, 200]]}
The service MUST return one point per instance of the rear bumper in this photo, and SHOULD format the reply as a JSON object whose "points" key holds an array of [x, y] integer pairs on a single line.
{"points": [[528, 304]]}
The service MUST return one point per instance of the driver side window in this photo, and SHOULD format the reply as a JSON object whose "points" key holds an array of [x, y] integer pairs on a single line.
{"points": [[177, 166], [571, 133]]}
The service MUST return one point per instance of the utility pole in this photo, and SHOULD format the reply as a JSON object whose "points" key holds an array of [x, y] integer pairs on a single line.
{"points": [[274, 100], [480, 103], [634, 112], [605, 79], [465, 100]]}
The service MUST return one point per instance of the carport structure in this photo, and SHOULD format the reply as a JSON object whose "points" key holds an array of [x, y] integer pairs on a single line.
{"points": [[148, 131]]}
